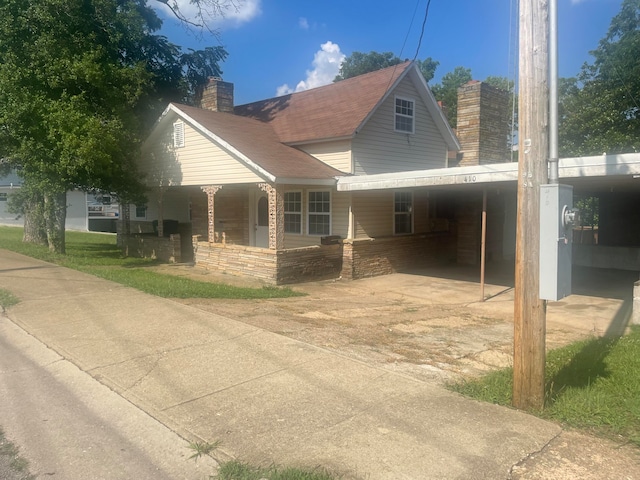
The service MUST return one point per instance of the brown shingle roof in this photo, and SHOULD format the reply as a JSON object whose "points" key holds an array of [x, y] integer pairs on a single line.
{"points": [[332, 111], [258, 142]]}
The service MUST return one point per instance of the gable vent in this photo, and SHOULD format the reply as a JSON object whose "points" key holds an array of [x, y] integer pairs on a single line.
{"points": [[178, 134]]}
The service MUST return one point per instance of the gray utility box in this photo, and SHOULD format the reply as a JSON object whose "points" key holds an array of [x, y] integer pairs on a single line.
{"points": [[556, 231]]}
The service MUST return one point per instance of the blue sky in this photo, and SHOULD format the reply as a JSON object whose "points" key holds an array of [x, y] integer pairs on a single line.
{"points": [[278, 46]]}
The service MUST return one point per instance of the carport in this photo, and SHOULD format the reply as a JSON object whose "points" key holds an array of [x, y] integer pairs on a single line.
{"points": [[483, 200]]}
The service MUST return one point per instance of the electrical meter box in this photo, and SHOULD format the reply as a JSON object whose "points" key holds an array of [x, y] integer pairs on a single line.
{"points": [[557, 218]]}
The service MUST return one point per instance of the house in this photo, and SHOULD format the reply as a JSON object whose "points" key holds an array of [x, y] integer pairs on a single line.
{"points": [[350, 180], [85, 212], [256, 185]]}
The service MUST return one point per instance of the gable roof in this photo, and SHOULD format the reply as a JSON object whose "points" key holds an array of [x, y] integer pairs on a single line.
{"points": [[340, 109], [255, 144]]}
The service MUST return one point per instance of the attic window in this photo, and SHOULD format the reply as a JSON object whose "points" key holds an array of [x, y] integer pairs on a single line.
{"points": [[405, 113], [178, 134]]}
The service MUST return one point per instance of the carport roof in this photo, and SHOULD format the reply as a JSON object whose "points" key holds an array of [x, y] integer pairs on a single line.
{"points": [[597, 171]]}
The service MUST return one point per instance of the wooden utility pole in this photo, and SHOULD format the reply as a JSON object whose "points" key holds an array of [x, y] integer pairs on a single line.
{"points": [[533, 146]]}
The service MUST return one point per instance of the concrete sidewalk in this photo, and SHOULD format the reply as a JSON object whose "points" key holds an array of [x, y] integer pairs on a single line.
{"points": [[268, 398]]}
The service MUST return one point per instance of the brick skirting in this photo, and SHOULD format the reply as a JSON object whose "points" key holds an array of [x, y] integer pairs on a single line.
{"points": [[382, 256], [278, 267]]}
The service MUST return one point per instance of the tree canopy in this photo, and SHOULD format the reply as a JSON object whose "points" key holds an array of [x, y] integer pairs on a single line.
{"points": [[600, 108], [359, 63], [80, 83]]}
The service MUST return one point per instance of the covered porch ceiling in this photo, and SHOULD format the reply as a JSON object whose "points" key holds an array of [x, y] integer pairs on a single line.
{"points": [[602, 172]]}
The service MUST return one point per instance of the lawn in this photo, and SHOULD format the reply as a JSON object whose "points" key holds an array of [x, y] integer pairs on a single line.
{"points": [[98, 254], [593, 385]]}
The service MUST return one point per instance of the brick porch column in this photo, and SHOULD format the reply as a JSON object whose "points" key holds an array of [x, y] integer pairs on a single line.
{"points": [[276, 215], [211, 191]]}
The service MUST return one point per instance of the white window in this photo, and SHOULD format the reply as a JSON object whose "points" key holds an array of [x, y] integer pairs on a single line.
{"points": [[3, 197], [178, 134], [319, 216], [403, 213], [405, 114], [141, 211], [293, 212]]}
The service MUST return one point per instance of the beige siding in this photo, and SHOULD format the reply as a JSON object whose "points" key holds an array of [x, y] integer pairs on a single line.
{"points": [[199, 162], [336, 154], [373, 214], [339, 218], [378, 148]]}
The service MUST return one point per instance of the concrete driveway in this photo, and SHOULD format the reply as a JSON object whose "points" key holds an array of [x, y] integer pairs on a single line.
{"points": [[429, 324]]}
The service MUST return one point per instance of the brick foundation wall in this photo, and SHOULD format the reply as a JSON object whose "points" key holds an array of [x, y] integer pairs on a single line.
{"points": [[382, 256], [318, 262], [166, 249], [279, 267]]}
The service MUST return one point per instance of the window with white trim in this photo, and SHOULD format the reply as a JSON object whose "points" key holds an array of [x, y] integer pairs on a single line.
{"points": [[178, 134], [141, 211], [405, 115], [293, 212], [319, 213], [403, 213]]}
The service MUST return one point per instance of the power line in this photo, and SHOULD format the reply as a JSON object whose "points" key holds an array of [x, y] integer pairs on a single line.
{"points": [[424, 23], [415, 10]]}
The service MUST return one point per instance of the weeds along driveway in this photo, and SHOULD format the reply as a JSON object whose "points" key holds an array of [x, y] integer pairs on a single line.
{"points": [[430, 327]]}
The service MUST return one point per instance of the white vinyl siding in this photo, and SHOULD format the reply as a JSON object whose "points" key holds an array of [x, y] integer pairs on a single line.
{"points": [[373, 214], [379, 148], [335, 154], [197, 163]]}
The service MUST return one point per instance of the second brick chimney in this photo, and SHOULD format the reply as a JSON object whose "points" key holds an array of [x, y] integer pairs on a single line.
{"points": [[483, 124]]}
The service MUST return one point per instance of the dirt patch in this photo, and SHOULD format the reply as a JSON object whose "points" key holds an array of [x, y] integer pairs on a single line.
{"points": [[431, 328]]}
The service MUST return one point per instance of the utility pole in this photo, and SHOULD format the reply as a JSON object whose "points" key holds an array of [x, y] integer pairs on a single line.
{"points": [[533, 145]]}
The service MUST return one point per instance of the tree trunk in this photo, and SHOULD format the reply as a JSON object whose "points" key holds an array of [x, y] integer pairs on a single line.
{"points": [[34, 223], [55, 215]]}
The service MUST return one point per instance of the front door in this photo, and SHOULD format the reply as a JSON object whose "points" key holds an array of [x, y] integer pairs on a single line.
{"points": [[262, 222]]}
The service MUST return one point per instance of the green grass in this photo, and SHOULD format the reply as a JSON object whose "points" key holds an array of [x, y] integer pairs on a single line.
{"points": [[236, 470], [10, 458], [7, 299], [98, 254], [593, 385]]}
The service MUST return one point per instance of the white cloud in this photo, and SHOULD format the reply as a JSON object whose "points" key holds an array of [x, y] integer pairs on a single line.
{"points": [[303, 23], [326, 65], [234, 12]]}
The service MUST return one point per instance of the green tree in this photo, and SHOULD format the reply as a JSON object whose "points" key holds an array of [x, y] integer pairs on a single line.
{"points": [[447, 92], [359, 63], [80, 82], [600, 109]]}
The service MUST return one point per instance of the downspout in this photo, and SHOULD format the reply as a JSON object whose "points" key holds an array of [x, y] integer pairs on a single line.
{"points": [[553, 91]]}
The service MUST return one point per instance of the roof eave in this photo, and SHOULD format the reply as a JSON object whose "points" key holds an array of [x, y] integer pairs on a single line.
{"points": [[267, 176]]}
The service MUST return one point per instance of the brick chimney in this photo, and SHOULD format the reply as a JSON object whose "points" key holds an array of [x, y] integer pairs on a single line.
{"points": [[217, 96], [483, 124]]}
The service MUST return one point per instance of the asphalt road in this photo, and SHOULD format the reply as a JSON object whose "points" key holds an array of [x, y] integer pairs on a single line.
{"points": [[69, 426]]}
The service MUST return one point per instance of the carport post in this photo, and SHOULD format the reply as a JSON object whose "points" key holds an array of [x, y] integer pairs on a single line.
{"points": [[483, 245]]}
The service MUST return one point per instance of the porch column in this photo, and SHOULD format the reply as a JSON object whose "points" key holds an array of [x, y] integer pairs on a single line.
{"points": [[211, 191], [276, 215]]}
